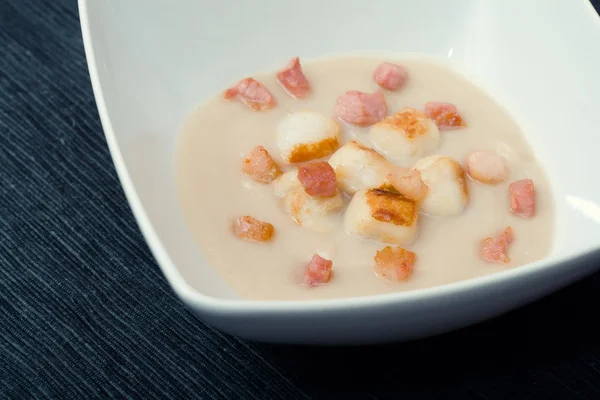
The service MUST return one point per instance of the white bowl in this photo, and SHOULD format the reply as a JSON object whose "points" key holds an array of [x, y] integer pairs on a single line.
{"points": [[152, 61]]}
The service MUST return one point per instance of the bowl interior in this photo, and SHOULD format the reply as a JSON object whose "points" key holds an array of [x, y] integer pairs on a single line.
{"points": [[155, 61]]}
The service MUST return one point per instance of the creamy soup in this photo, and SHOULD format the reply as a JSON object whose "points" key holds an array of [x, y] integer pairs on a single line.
{"points": [[447, 243]]}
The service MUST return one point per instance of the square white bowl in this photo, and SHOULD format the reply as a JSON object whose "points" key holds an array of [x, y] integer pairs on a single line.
{"points": [[151, 62]]}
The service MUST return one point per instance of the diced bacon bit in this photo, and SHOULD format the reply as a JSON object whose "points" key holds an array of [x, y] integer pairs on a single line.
{"points": [[318, 271], [390, 76], [495, 249], [408, 182], [318, 178], [486, 167], [522, 198], [249, 228], [445, 115], [260, 165], [293, 80], [394, 264], [252, 93], [361, 109]]}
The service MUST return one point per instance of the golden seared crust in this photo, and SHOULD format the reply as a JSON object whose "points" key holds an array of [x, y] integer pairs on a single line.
{"points": [[392, 207], [312, 151], [462, 180], [387, 187], [362, 147], [409, 120]]}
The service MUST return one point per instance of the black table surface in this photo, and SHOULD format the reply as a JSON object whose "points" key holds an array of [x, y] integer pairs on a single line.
{"points": [[86, 313]]}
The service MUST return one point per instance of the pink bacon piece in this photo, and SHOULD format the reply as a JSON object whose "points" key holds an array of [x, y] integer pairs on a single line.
{"points": [[318, 271], [260, 165], [495, 249], [251, 229], [408, 182], [318, 178], [252, 93], [445, 115], [293, 80], [361, 109], [394, 264], [522, 198], [390, 76]]}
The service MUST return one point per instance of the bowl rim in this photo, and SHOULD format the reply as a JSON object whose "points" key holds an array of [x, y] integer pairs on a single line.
{"points": [[233, 306]]}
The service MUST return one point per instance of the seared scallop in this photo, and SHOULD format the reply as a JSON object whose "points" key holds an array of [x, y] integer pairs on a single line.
{"points": [[306, 135], [313, 212], [447, 193], [408, 133], [358, 167], [382, 216]]}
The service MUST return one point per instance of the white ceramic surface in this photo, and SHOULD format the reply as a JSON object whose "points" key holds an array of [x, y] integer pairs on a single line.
{"points": [[152, 61]]}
